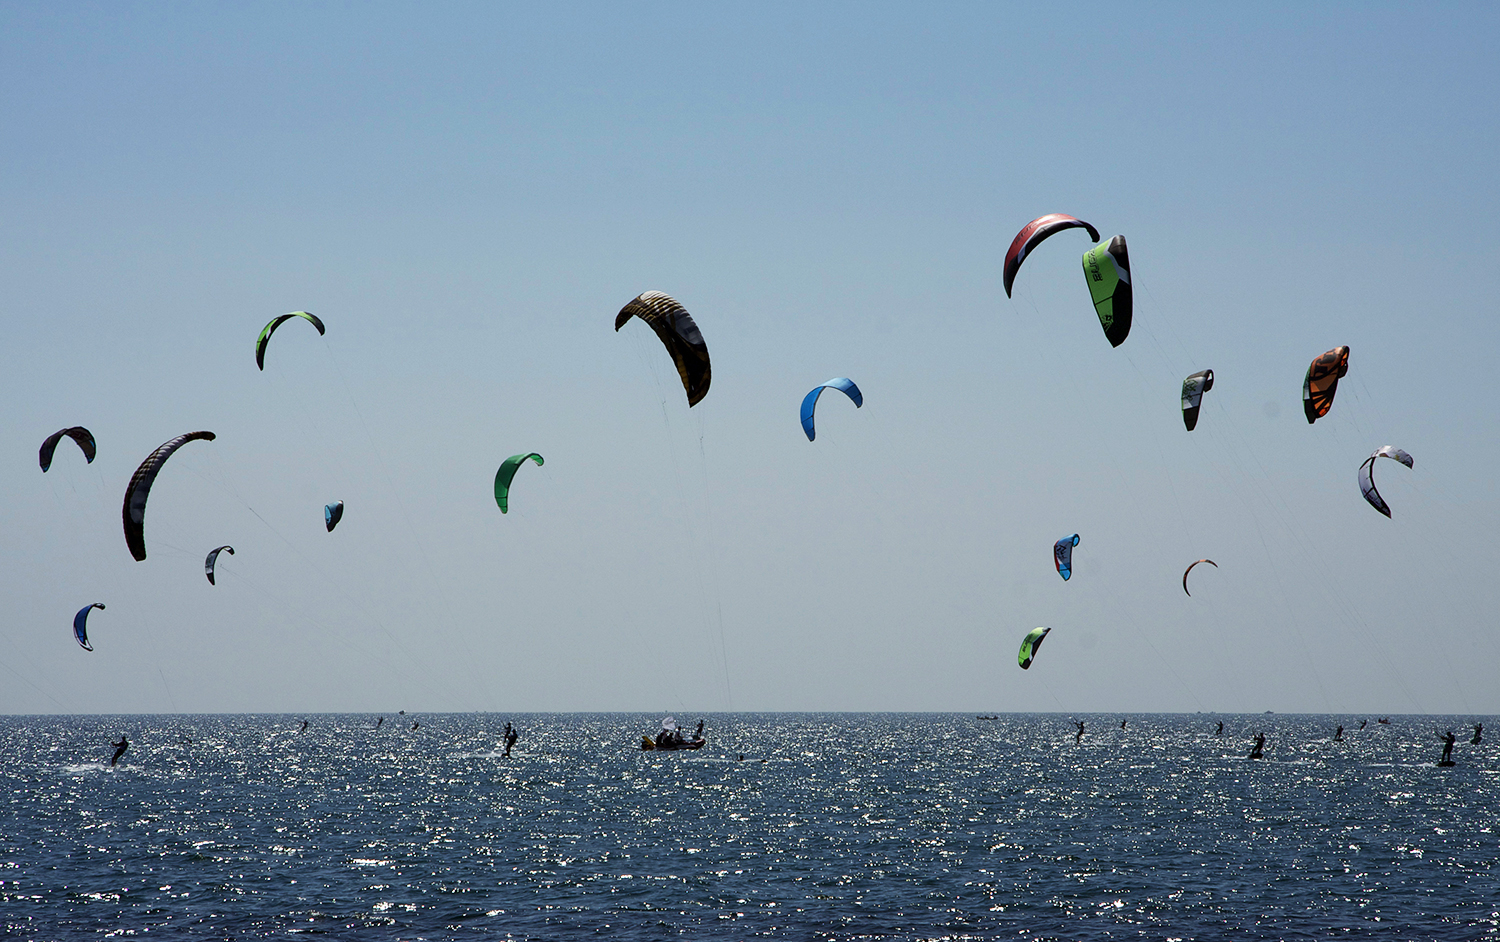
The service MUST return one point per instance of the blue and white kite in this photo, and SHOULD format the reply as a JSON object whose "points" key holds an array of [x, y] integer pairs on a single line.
{"points": [[810, 401]]}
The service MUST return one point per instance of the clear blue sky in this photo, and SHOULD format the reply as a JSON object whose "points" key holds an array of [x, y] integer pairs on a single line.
{"points": [[466, 194]]}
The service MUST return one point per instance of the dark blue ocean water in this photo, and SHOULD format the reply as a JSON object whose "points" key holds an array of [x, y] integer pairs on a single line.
{"points": [[835, 826]]}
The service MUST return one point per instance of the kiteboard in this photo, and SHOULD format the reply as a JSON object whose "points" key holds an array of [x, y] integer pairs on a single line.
{"points": [[1445, 763]]}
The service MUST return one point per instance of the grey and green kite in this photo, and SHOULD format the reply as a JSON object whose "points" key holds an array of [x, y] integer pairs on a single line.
{"points": [[1106, 267]]}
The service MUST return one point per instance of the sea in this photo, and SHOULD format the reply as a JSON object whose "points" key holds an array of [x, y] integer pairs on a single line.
{"points": [[785, 826]]}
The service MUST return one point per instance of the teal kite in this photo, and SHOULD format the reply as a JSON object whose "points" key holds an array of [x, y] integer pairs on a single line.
{"points": [[507, 472]]}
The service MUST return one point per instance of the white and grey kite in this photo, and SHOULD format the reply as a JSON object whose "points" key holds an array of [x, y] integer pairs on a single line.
{"points": [[1367, 475]]}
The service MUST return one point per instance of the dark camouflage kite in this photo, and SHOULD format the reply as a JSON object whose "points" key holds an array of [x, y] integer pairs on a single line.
{"points": [[678, 332], [134, 511]]}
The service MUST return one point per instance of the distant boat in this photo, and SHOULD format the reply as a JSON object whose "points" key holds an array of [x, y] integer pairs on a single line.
{"points": [[671, 738], [986, 717]]}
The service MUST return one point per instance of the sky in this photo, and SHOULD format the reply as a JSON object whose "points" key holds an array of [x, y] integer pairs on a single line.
{"points": [[466, 194]]}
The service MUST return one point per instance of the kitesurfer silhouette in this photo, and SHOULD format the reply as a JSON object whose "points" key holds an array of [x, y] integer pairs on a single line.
{"points": [[510, 739], [379, 722], [1122, 724], [1220, 730], [120, 748], [1478, 734], [304, 727], [1448, 739], [1260, 742], [1338, 734], [1079, 737], [1362, 723]]}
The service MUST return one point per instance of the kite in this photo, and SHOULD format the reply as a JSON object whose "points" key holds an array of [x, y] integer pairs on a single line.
{"points": [[332, 514], [1062, 555], [1193, 389], [1033, 234], [212, 560], [1106, 267], [679, 333], [79, 434], [134, 511], [80, 625], [507, 471], [810, 401], [1367, 475], [1190, 569], [1030, 645], [265, 335], [1322, 382]]}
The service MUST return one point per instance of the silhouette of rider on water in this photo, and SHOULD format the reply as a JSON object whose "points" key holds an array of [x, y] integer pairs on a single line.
{"points": [[1260, 743], [120, 748], [1478, 734], [1448, 739], [1079, 737]]}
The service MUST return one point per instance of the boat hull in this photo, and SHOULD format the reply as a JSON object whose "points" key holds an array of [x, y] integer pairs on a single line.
{"points": [[648, 745]]}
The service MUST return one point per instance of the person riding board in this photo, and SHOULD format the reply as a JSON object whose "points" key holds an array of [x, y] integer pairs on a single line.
{"points": [[1448, 739], [120, 748], [1260, 742], [1478, 734], [1079, 738], [1338, 734], [1220, 730]]}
